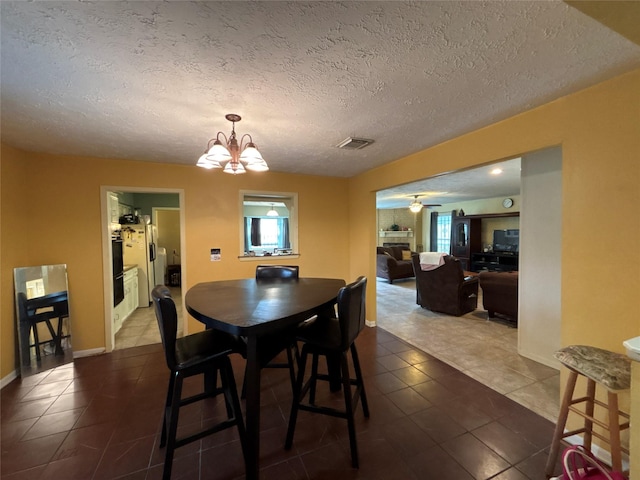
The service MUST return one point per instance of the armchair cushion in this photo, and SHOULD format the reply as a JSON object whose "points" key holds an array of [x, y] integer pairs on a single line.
{"points": [[445, 288]]}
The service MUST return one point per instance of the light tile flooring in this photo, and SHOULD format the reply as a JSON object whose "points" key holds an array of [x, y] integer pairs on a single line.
{"points": [[141, 328], [483, 349]]}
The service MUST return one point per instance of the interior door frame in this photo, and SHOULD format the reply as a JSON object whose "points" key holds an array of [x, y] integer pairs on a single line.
{"points": [[107, 267]]}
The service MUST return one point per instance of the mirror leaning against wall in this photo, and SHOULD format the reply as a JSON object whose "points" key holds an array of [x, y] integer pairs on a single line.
{"points": [[42, 317]]}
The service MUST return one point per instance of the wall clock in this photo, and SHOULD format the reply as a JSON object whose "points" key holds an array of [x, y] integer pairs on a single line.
{"points": [[507, 203]]}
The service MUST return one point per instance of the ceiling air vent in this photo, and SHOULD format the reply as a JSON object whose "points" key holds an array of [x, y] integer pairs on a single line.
{"points": [[354, 143]]}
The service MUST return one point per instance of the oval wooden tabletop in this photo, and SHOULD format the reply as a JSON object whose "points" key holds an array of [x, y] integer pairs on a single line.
{"points": [[254, 307]]}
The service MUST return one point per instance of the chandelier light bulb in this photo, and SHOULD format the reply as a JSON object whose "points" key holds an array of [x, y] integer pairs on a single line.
{"points": [[415, 206], [273, 212], [236, 156]]}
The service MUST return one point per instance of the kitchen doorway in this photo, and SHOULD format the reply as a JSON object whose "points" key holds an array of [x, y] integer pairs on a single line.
{"points": [[132, 322]]}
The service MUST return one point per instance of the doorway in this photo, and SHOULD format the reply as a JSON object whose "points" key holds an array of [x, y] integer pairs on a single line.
{"points": [[525, 369], [149, 249]]}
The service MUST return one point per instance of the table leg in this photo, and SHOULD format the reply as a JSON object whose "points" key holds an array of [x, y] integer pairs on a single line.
{"points": [[252, 455]]}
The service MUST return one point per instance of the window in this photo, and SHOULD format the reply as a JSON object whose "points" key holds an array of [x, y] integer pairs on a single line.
{"points": [[269, 224], [443, 243], [266, 234]]}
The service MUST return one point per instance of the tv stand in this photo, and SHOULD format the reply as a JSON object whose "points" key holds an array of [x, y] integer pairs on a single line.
{"points": [[494, 262]]}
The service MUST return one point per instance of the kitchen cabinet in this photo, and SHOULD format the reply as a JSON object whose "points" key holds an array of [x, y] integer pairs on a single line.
{"points": [[114, 208], [130, 291], [127, 306]]}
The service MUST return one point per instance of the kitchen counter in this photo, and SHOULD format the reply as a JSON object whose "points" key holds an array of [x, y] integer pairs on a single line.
{"points": [[126, 268]]}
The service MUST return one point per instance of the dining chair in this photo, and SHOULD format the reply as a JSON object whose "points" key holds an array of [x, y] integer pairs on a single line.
{"points": [[188, 356], [33, 312], [277, 271], [333, 337]]}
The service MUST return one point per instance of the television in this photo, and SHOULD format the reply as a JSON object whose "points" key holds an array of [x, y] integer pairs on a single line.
{"points": [[506, 241]]}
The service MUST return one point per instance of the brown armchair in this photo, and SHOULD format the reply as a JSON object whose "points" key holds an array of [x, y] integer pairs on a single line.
{"points": [[445, 288]]}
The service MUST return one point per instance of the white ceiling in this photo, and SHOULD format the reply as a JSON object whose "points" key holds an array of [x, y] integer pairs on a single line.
{"points": [[473, 184], [152, 81]]}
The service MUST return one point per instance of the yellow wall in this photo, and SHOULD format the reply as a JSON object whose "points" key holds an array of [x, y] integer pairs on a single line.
{"points": [[14, 224], [51, 213], [54, 216], [599, 131]]}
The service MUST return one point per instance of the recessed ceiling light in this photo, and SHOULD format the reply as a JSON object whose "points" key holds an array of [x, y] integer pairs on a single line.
{"points": [[496, 171]]}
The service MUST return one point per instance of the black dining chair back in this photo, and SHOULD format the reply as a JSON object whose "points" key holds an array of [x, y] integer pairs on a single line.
{"points": [[277, 271], [351, 311], [167, 318], [194, 354], [333, 338]]}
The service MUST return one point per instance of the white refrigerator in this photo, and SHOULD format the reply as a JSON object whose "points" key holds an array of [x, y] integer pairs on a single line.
{"points": [[139, 248]]}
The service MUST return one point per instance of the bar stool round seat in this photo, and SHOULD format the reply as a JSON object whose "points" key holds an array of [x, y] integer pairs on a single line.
{"points": [[608, 369]]}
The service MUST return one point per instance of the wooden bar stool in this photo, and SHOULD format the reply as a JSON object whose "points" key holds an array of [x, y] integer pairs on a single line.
{"points": [[608, 369]]}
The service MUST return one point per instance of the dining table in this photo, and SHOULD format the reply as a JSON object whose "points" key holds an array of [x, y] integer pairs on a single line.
{"points": [[256, 309]]}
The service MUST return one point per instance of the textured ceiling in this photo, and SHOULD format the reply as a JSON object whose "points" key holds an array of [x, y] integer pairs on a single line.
{"points": [[152, 81]]}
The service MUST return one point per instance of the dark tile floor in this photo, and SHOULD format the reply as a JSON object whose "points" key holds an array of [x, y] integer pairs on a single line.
{"points": [[99, 418]]}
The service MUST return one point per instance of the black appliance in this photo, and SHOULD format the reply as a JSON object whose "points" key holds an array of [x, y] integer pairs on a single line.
{"points": [[118, 271], [506, 241]]}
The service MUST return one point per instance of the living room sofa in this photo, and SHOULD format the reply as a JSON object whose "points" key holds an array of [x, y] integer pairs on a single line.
{"points": [[392, 264], [500, 293]]}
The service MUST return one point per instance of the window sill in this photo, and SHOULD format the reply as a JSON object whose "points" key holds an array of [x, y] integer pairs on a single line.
{"points": [[244, 258]]}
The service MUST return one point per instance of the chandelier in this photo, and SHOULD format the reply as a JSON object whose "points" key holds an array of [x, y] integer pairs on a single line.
{"points": [[415, 206], [273, 212], [236, 156]]}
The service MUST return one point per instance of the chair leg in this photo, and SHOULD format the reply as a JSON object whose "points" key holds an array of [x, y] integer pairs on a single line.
{"points": [[562, 420], [314, 379], [36, 341], [292, 371], [234, 411], [167, 409], [295, 403], [614, 432], [588, 410], [59, 350], [360, 381], [346, 387], [173, 426]]}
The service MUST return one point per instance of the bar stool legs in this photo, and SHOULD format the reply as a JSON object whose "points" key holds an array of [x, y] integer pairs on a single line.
{"points": [[597, 366]]}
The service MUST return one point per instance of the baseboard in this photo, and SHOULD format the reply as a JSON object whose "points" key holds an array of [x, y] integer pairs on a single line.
{"points": [[88, 353], [551, 363], [77, 354], [8, 379], [370, 323], [599, 452]]}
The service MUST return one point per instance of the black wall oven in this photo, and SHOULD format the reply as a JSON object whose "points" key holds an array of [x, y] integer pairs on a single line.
{"points": [[118, 271]]}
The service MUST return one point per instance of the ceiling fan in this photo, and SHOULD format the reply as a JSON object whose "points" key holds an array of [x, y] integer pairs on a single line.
{"points": [[416, 206]]}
